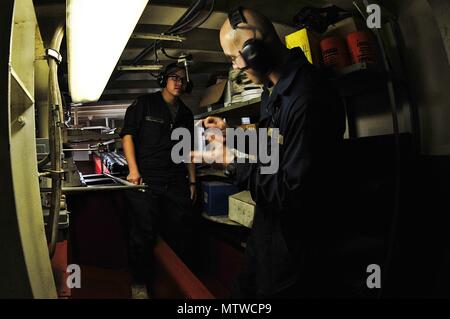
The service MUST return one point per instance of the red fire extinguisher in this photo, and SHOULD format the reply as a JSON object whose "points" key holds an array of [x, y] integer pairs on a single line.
{"points": [[334, 53], [361, 47]]}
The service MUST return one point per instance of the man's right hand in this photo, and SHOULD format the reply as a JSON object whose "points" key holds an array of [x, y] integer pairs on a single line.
{"points": [[213, 122], [134, 178]]}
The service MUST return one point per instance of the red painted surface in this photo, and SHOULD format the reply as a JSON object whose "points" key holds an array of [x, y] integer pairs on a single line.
{"points": [[173, 277], [98, 229], [98, 243], [227, 263], [103, 283], [98, 165], [59, 267]]}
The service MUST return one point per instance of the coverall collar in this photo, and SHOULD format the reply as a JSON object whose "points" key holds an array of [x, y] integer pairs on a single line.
{"points": [[295, 62]]}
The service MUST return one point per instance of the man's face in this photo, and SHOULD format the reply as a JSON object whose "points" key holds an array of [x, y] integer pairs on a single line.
{"points": [[232, 51], [176, 82]]}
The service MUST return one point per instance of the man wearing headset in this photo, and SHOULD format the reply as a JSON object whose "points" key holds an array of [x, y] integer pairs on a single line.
{"points": [[289, 248], [147, 145]]}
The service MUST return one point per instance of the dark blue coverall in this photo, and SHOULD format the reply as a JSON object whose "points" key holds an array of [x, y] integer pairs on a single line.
{"points": [[291, 241]]}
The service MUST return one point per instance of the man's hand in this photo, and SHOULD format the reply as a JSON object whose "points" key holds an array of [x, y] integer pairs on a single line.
{"points": [[134, 178], [217, 153], [213, 122]]}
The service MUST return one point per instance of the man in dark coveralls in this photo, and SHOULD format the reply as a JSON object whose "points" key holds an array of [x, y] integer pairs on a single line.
{"points": [[166, 207], [290, 249]]}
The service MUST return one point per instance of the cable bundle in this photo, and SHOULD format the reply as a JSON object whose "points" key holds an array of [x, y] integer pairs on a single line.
{"points": [[193, 18]]}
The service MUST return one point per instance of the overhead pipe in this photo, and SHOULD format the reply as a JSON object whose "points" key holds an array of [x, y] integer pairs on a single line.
{"points": [[187, 18], [189, 15], [56, 118]]}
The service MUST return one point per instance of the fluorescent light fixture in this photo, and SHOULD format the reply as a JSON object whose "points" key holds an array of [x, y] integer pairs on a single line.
{"points": [[97, 33]]}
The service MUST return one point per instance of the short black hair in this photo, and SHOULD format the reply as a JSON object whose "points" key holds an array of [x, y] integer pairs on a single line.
{"points": [[172, 68]]}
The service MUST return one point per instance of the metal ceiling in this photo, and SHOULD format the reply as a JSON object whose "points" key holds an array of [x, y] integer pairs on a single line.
{"points": [[202, 43]]}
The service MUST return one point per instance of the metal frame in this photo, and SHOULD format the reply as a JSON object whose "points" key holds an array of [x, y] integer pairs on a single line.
{"points": [[25, 268], [124, 185]]}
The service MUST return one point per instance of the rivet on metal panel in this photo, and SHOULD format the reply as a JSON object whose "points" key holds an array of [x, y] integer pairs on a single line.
{"points": [[21, 121]]}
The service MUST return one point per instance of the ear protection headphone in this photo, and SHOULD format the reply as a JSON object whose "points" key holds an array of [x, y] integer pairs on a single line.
{"points": [[162, 77], [255, 52]]}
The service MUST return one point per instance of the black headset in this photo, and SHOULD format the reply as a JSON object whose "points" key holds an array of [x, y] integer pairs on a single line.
{"points": [[255, 52], [162, 77]]}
